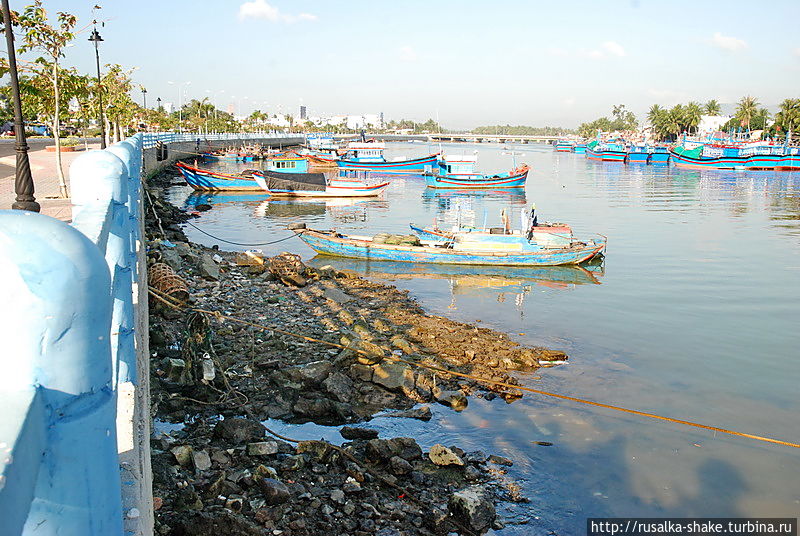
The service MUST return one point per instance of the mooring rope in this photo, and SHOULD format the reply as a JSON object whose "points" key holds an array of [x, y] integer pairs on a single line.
{"points": [[176, 304], [239, 243]]}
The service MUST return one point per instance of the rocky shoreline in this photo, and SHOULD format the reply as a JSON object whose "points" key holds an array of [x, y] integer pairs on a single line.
{"points": [[218, 374]]}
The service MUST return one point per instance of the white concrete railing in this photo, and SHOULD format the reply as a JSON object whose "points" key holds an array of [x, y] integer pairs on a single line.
{"points": [[74, 435]]}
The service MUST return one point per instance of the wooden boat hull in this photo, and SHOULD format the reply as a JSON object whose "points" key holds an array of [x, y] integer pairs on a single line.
{"points": [[557, 235], [476, 182], [605, 155], [330, 243], [413, 166], [204, 180], [334, 188]]}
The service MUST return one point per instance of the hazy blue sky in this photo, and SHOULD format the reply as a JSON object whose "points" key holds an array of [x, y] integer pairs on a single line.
{"points": [[475, 62]]}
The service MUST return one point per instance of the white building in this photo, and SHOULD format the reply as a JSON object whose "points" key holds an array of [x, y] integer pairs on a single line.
{"points": [[711, 123]]}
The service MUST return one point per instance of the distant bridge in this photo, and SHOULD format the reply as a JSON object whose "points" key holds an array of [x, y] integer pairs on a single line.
{"points": [[458, 137]]}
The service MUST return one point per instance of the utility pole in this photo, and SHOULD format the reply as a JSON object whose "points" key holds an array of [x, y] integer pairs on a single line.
{"points": [[96, 39]]}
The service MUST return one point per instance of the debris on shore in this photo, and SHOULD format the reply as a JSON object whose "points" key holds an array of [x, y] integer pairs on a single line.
{"points": [[328, 360]]}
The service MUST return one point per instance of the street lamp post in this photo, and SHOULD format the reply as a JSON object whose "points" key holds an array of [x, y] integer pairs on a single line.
{"points": [[23, 183], [96, 39], [144, 98], [158, 102]]}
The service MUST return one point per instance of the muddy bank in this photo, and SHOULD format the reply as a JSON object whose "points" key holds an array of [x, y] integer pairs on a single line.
{"points": [[223, 473]]}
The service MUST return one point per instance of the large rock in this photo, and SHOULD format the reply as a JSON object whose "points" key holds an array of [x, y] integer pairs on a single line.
{"points": [[454, 399], [239, 430], [274, 491], [441, 455], [471, 508], [383, 449], [355, 432], [336, 295], [262, 448], [393, 376], [208, 267], [339, 386], [310, 374]]}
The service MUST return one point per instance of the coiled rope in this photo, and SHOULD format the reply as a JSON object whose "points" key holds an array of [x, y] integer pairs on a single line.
{"points": [[176, 304]]}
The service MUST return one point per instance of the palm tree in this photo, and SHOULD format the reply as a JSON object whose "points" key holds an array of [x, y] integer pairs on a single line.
{"points": [[788, 117], [675, 120], [746, 110], [691, 114], [712, 107], [654, 114]]}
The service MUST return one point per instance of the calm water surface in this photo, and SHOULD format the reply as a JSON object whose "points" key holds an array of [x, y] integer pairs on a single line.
{"points": [[693, 315]]}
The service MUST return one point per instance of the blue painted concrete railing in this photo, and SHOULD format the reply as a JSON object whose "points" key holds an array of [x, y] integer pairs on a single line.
{"points": [[74, 458], [151, 138]]}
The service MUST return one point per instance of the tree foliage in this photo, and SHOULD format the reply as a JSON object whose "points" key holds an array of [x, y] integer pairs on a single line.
{"points": [[622, 120]]}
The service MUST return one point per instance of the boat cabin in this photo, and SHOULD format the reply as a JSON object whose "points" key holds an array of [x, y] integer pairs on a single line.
{"points": [[287, 164], [457, 164], [365, 152]]}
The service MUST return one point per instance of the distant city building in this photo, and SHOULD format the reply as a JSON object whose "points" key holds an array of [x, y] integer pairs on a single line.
{"points": [[302, 113], [168, 107]]}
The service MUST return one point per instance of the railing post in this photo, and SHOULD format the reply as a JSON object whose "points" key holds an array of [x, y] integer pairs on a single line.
{"points": [[57, 343]]}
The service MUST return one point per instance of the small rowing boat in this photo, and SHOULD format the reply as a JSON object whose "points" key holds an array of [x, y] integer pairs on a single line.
{"points": [[523, 253], [206, 180]]}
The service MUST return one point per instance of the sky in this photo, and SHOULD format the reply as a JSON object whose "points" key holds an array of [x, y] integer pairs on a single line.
{"points": [[468, 62]]}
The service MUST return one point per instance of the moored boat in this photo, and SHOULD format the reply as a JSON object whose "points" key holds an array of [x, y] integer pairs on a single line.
{"points": [[564, 146], [606, 151], [203, 179], [544, 234], [315, 185], [580, 148], [524, 253], [637, 154], [369, 156], [659, 155], [459, 172]]}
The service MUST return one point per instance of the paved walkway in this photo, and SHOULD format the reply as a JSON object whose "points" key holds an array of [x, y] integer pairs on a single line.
{"points": [[45, 180]]}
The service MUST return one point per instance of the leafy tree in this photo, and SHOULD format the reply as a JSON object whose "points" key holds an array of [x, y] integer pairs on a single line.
{"points": [[788, 117], [655, 114], [746, 110], [49, 40], [691, 115], [712, 107]]}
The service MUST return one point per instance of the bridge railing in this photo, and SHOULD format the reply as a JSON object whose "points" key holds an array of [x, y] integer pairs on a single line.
{"points": [[74, 450]]}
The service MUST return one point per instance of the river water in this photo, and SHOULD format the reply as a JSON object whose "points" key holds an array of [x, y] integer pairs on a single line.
{"points": [[692, 315]]}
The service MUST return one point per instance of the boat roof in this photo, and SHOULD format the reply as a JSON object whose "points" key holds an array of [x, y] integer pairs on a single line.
{"points": [[460, 158], [362, 145]]}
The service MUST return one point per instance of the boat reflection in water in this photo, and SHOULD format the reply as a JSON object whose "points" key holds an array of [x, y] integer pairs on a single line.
{"points": [[195, 199], [444, 199], [496, 283]]}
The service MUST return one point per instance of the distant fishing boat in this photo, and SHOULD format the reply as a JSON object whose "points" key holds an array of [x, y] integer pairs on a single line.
{"points": [[523, 253], [606, 151], [369, 157], [459, 172], [203, 179], [638, 154], [564, 146], [315, 185], [659, 155]]}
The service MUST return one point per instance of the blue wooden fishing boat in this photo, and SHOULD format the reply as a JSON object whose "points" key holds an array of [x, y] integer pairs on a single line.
{"points": [[606, 151], [203, 179], [315, 185], [521, 253], [659, 155], [459, 172], [369, 156], [638, 154], [564, 146], [580, 148]]}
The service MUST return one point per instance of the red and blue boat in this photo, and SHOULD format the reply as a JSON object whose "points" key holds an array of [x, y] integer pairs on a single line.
{"points": [[206, 180], [459, 172], [368, 156], [638, 154], [606, 151], [564, 146], [757, 156]]}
